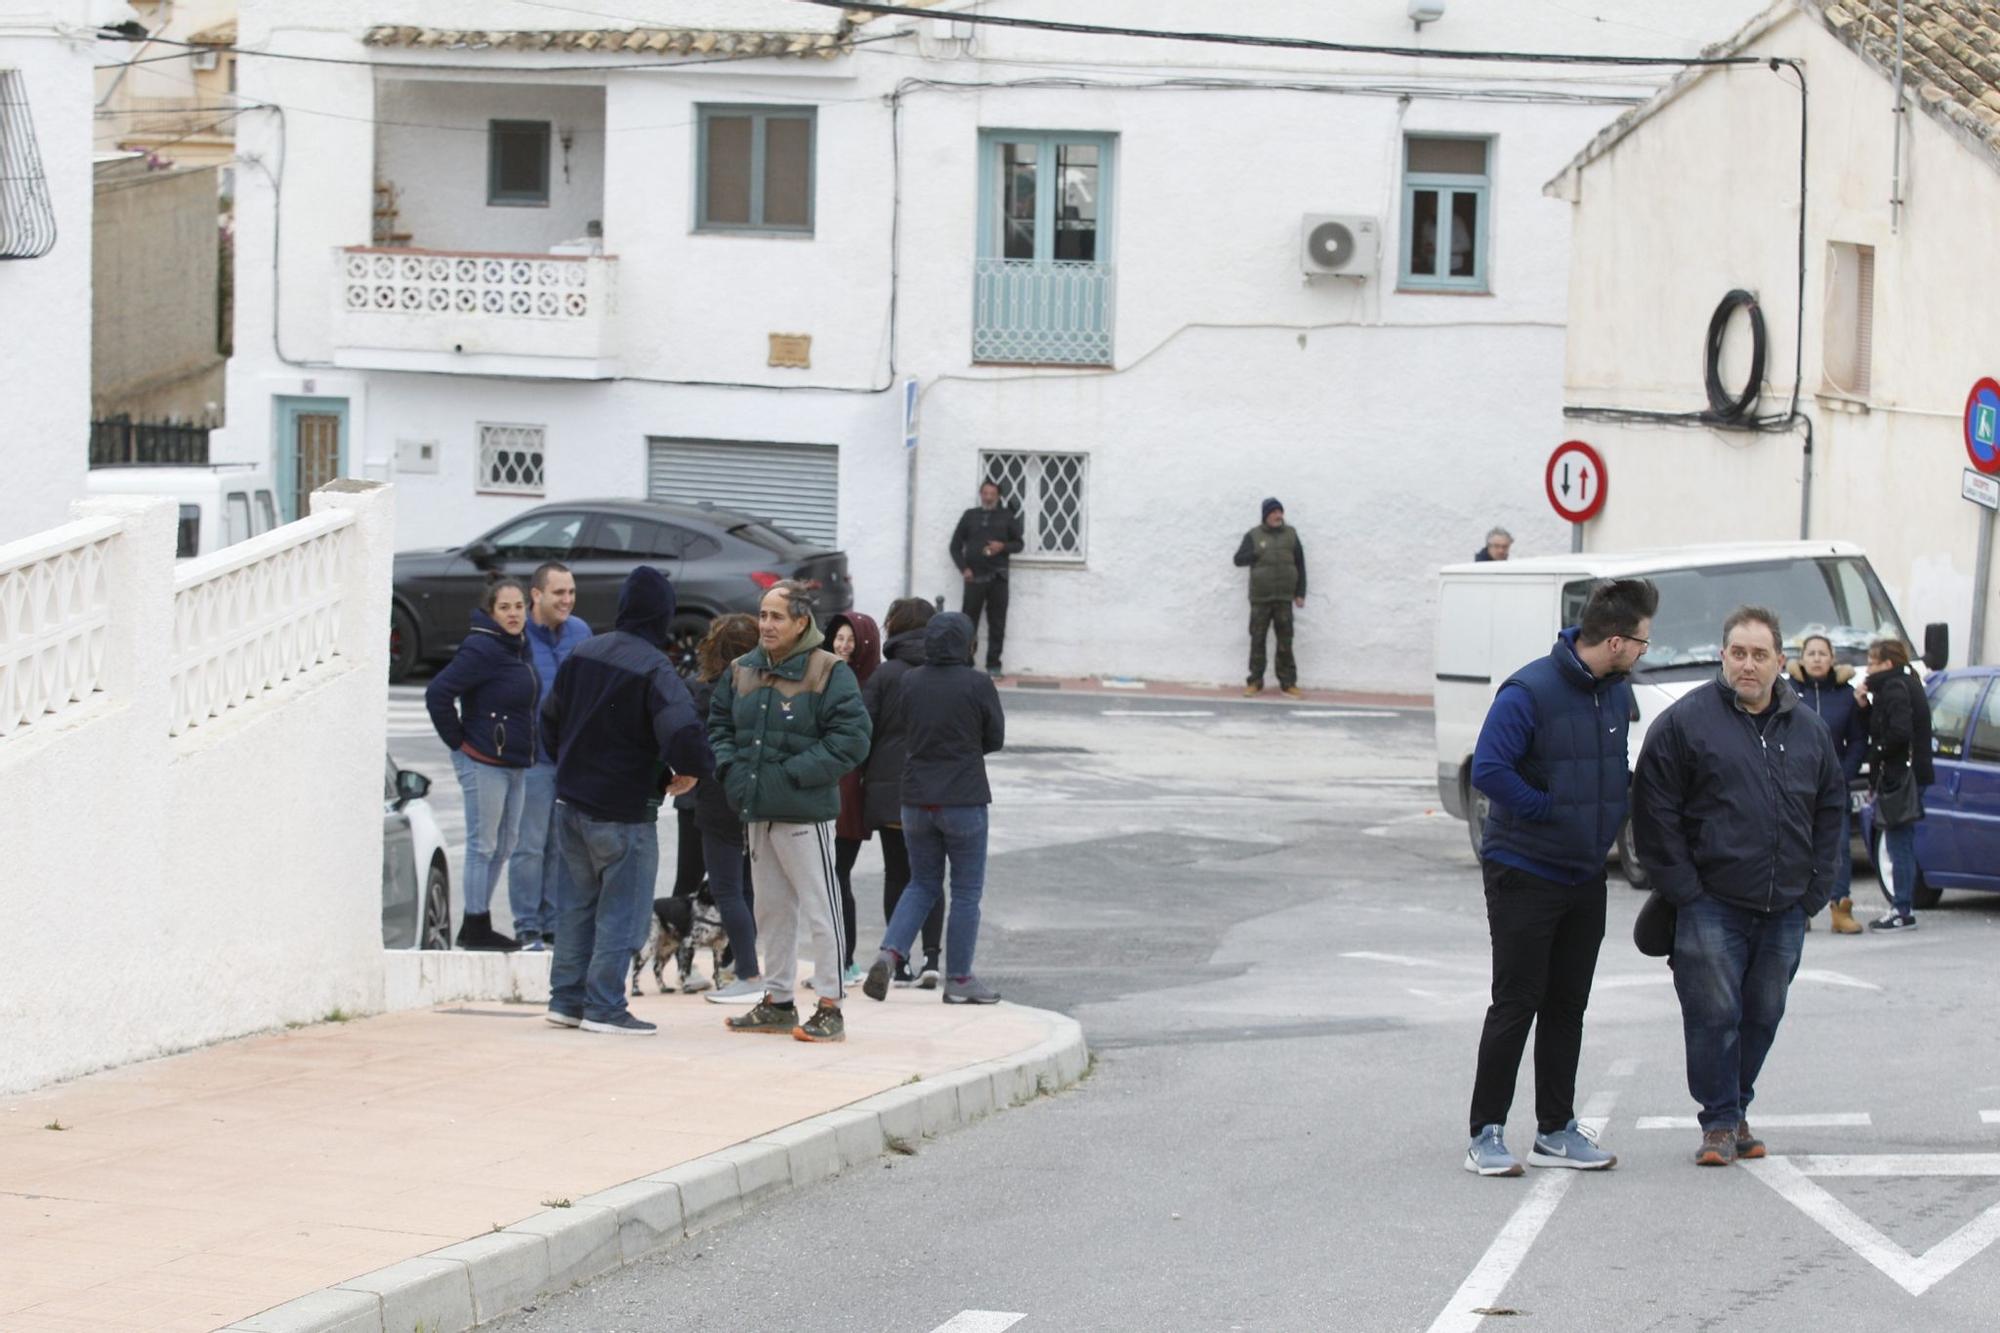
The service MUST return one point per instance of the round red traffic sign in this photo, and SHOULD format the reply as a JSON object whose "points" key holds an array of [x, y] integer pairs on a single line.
{"points": [[1575, 481], [1982, 425]]}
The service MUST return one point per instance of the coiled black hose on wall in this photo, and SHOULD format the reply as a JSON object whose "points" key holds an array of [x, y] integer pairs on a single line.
{"points": [[1721, 405]]}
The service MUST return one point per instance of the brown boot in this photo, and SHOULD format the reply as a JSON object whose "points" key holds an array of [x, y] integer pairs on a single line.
{"points": [[1843, 917]]}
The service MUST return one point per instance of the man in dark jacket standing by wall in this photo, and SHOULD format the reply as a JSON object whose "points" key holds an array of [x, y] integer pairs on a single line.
{"points": [[1276, 559], [1551, 759], [951, 718], [1737, 811], [623, 729], [985, 537]]}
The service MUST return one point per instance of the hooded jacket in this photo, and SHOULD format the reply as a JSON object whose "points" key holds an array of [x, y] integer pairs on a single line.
{"points": [[486, 695], [784, 732], [1552, 758], [882, 791], [951, 718], [1832, 698], [1751, 818], [1899, 729], [866, 657], [619, 719]]}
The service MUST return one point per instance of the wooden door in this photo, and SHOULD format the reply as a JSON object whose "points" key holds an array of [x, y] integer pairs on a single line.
{"points": [[315, 454]]}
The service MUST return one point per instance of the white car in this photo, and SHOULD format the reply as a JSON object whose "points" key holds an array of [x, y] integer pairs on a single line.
{"points": [[219, 504], [419, 910]]}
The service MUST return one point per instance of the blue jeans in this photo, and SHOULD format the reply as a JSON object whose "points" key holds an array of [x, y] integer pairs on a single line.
{"points": [[936, 834], [729, 884], [1732, 970], [1902, 845], [604, 890], [492, 821], [531, 870]]}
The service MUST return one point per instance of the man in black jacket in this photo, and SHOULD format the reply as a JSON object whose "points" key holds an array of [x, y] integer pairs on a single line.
{"points": [[985, 536], [624, 733], [1737, 810], [951, 717], [882, 784]]}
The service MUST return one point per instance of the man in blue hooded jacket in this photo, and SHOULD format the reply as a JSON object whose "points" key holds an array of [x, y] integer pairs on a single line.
{"points": [[624, 732], [1552, 760]]}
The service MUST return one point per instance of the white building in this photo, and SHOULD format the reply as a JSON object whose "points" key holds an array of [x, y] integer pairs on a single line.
{"points": [[516, 264], [45, 188], [1697, 194]]}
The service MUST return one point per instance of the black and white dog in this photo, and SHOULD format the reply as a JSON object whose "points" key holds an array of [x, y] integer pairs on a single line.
{"points": [[681, 926]]}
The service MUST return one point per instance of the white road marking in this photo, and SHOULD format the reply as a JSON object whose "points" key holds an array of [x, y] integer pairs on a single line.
{"points": [[979, 1321], [1382, 830], [1113, 683], [1340, 712], [1821, 974], [1496, 1268], [1157, 712], [1915, 1274], [1823, 1120], [1624, 1066], [1401, 960], [1989, 1117], [1596, 1112], [1629, 980]]}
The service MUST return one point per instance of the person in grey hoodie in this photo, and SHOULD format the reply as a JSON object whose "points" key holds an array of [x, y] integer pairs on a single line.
{"points": [[952, 719]]}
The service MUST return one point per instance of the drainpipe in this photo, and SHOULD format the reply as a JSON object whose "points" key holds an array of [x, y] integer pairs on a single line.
{"points": [[1896, 121]]}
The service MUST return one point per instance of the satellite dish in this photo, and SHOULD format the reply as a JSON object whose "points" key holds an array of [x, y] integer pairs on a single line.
{"points": [[1331, 245]]}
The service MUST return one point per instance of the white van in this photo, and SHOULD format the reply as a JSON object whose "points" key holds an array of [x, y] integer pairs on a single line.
{"points": [[1495, 617], [220, 503]]}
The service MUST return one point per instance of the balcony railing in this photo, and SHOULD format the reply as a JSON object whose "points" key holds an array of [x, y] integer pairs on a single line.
{"points": [[1043, 312], [549, 315]]}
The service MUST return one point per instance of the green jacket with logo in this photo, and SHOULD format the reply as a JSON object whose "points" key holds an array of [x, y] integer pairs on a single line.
{"points": [[784, 734], [1277, 563]]}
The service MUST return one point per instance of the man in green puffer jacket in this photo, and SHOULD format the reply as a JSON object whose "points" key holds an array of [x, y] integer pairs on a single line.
{"points": [[1276, 559], [786, 722]]}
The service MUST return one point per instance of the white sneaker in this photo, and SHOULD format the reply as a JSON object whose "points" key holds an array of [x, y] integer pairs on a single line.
{"points": [[694, 983], [738, 992]]}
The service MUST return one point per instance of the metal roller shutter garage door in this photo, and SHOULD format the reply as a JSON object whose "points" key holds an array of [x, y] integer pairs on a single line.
{"points": [[796, 486]]}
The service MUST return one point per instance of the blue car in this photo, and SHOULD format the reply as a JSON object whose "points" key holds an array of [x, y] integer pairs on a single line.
{"points": [[1958, 839]]}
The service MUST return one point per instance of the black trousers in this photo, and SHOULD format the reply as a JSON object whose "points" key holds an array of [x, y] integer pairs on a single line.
{"points": [[846, 851], [896, 878], [1545, 939], [990, 597], [690, 864]]}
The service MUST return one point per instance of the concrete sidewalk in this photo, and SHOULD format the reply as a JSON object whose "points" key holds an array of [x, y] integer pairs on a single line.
{"points": [[1186, 691], [201, 1189]]}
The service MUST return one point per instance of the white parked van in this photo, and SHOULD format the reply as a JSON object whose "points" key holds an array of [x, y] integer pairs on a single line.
{"points": [[1495, 617], [220, 503]]}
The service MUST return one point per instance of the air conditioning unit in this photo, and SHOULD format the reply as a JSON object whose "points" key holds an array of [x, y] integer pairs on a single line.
{"points": [[1338, 245], [205, 59]]}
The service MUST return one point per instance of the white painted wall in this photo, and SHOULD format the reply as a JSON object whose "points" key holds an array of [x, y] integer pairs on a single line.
{"points": [[233, 872], [1702, 198], [432, 145], [1396, 427], [45, 412]]}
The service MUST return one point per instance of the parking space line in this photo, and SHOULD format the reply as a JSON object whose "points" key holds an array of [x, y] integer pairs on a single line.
{"points": [[1340, 712], [1495, 1269], [1898, 1164], [979, 1321], [1989, 1117], [1822, 1120], [1915, 1274], [1399, 959], [1157, 712], [1829, 978]]}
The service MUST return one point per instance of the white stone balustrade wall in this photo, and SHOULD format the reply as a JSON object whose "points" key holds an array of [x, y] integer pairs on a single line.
{"points": [[55, 607], [211, 807]]}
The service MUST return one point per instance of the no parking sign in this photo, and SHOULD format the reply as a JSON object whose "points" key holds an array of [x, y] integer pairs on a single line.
{"points": [[1982, 425]]}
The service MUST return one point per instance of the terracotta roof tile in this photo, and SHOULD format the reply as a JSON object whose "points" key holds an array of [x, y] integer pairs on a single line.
{"points": [[624, 41]]}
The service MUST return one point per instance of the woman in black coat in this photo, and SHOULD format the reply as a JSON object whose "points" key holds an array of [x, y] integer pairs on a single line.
{"points": [[882, 783], [1899, 768]]}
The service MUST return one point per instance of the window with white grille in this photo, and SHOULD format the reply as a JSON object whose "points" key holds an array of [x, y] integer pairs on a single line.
{"points": [[510, 459], [1049, 492]]}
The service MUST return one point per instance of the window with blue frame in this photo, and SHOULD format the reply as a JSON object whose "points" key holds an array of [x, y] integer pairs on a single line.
{"points": [[1447, 208], [754, 169], [1043, 278]]}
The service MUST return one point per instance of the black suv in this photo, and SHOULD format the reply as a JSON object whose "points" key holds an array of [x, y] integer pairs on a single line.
{"points": [[719, 562]]}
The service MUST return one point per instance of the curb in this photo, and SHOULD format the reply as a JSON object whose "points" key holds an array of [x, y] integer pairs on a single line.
{"points": [[477, 1280]]}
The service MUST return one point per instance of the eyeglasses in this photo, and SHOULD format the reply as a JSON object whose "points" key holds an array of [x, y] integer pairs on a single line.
{"points": [[1633, 638]]}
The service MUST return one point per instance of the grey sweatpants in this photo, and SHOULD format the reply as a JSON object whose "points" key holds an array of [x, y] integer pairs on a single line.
{"points": [[793, 867]]}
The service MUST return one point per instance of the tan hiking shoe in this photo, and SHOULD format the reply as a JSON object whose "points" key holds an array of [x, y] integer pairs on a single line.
{"points": [[1748, 1146], [1843, 917], [1252, 691], [1292, 692], [1718, 1148]]}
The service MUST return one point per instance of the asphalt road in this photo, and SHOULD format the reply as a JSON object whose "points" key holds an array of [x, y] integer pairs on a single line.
{"points": [[1277, 948]]}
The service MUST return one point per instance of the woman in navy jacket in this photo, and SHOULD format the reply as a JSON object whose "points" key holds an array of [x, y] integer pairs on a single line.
{"points": [[483, 706], [1827, 687]]}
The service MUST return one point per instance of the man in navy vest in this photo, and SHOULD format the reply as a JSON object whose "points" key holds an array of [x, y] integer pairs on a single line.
{"points": [[1551, 759]]}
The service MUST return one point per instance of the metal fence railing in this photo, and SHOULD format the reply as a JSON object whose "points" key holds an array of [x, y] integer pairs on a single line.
{"points": [[121, 439]]}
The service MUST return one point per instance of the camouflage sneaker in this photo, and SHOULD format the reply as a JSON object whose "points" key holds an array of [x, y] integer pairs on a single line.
{"points": [[765, 1017], [826, 1024]]}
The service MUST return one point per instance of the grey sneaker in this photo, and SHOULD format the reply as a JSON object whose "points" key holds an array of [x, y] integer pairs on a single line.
{"points": [[748, 991], [624, 1025], [876, 985], [558, 1018], [969, 990], [1487, 1154], [1572, 1146], [693, 983]]}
